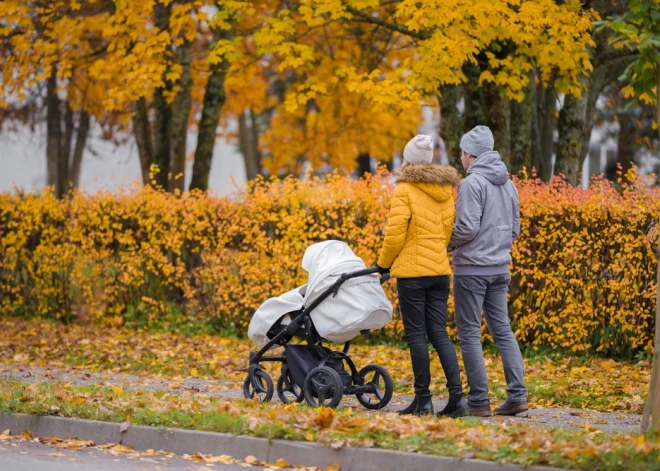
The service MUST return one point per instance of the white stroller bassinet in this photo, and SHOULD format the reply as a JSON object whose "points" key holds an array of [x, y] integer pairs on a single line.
{"points": [[359, 305]]}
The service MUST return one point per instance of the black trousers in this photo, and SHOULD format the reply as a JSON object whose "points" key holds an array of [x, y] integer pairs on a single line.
{"points": [[423, 304]]}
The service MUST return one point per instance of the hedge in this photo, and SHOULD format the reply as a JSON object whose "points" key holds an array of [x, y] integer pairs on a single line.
{"points": [[583, 276]]}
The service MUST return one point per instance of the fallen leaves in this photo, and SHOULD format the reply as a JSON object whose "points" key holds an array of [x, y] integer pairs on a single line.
{"points": [[64, 443], [324, 417], [115, 449], [176, 360], [516, 442]]}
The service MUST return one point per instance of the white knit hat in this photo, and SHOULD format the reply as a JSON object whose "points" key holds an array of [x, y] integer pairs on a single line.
{"points": [[419, 150]]}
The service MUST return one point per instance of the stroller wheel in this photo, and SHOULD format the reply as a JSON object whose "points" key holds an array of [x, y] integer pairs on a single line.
{"points": [[323, 387], [287, 390], [263, 389], [380, 384]]}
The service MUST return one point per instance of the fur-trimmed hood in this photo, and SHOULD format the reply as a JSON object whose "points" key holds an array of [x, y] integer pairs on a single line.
{"points": [[437, 181]]}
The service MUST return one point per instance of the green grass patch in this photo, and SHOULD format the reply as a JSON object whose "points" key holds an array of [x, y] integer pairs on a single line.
{"points": [[505, 443]]}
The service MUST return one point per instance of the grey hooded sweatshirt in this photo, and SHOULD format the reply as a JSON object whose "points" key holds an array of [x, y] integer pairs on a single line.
{"points": [[487, 219]]}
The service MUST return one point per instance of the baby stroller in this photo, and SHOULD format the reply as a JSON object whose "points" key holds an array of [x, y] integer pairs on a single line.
{"points": [[342, 299]]}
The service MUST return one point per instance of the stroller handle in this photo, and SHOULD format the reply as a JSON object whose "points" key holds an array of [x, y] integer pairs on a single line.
{"points": [[359, 273]]}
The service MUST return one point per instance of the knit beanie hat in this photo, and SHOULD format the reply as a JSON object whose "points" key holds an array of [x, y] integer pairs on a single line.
{"points": [[419, 150], [478, 141]]}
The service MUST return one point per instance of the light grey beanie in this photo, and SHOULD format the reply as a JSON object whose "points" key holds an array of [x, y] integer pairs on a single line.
{"points": [[419, 150], [478, 141]]}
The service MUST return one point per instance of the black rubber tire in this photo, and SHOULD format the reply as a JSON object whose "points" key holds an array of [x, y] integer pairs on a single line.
{"points": [[264, 390], [285, 384], [381, 398], [323, 387]]}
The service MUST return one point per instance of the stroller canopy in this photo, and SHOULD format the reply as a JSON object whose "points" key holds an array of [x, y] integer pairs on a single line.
{"points": [[359, 305]]}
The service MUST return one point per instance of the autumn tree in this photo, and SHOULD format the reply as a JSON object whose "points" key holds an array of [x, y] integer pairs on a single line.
{"points": [[493, 47], [289, 51], [47, 49], [135, 61], [638, 29]]}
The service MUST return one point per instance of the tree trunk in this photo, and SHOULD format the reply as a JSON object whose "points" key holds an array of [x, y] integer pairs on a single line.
{"points": [[62, 185], [651, 417], [499, 121], [363, 164], [162, 110], [657, 101], [547, 109], [162, 131], [79, 149], [576, 119], [627, 147], [248, 134], [143, 139], [214, 98], [450, 126], [569, 146], [474, 99], [67, 141], [181, 113], [54, 130], [521, 131], [536, 135]]}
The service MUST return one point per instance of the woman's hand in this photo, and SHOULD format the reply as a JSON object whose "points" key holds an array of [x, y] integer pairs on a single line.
{"points": [[382, 270]]}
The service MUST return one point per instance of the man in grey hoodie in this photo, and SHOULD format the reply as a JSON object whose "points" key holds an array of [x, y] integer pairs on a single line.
{"points": [[487, 222]]}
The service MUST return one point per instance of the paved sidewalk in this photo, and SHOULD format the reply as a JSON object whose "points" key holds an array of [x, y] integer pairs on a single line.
{"points": [[21, 455], [608, 422]]}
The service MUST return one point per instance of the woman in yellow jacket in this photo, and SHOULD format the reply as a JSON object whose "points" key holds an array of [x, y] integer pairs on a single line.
{"points": [[415, 251]]}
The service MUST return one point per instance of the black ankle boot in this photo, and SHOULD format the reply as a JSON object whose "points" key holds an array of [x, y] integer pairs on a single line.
{"points": [[419, 406], [456, 407]]}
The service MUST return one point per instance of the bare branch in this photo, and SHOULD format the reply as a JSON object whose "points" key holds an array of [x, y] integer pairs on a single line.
{"points": [[422, 35]]}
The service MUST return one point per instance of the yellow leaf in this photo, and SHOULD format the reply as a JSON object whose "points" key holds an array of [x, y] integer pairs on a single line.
{"points": [[324, 417]]}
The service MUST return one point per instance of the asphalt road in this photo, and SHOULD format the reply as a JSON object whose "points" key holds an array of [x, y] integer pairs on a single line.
{"points": [[18, 455]]}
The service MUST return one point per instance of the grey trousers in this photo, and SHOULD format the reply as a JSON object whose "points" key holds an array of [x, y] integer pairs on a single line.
{"points": [[471, 295]]}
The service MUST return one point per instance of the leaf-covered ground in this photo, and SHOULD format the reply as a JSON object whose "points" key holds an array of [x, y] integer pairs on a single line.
{"points": [[583, 383], [504, 441], [164, 379]]}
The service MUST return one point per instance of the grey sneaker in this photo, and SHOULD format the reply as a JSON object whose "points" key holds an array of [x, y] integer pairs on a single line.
{"points": [[512, 408], [479, 411]]}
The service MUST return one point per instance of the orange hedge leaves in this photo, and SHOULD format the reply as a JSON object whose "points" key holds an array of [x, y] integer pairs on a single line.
{"points": [[583, 274]]}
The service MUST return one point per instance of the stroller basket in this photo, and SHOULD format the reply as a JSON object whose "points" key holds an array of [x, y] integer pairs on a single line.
{"points": [[301, 359]]}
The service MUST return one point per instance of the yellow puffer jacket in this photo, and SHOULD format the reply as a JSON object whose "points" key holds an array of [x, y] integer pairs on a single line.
{"points": [[420, 222]]}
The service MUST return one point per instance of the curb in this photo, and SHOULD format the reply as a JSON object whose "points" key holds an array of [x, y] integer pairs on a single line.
{"points": [[239, 446]]}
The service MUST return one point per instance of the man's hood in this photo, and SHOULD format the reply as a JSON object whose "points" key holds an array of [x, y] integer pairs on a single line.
{"points": [[490, 165]]}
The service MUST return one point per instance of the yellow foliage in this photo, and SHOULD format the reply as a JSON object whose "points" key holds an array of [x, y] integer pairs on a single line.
{"points": [[583, 270]]}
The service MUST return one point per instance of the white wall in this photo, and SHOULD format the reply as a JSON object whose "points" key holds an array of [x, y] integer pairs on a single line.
{"points": [[23, 162]]}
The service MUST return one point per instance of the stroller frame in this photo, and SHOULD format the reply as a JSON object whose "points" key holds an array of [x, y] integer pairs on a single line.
{"points": [[301, 326]]}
